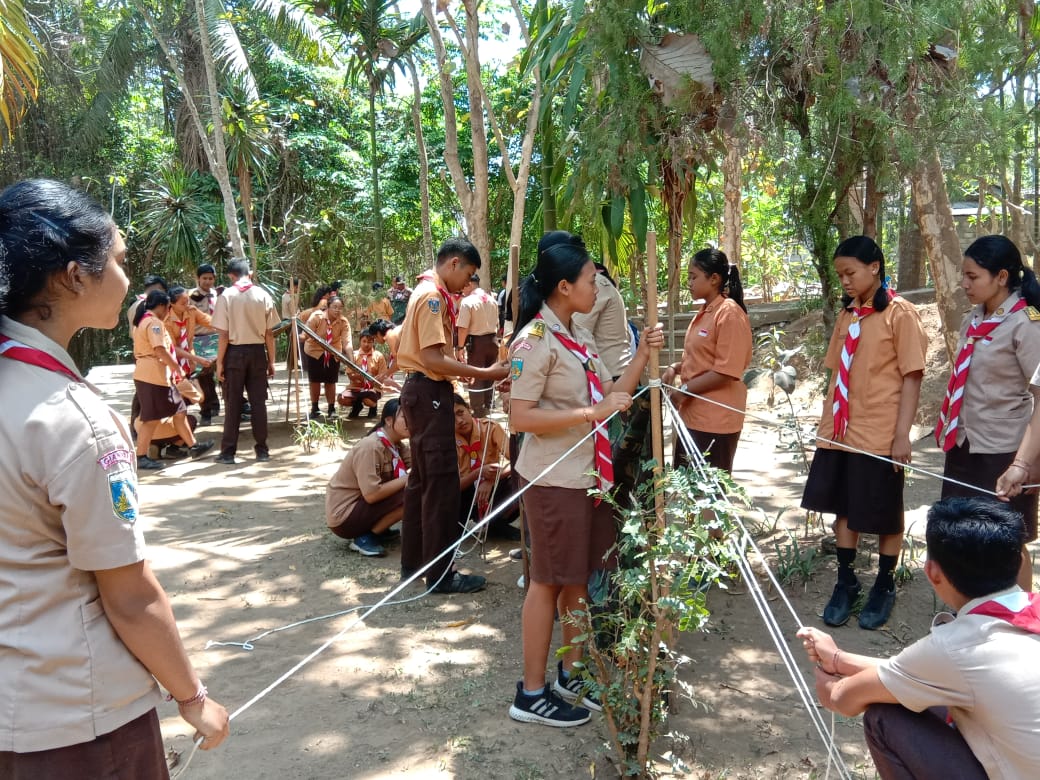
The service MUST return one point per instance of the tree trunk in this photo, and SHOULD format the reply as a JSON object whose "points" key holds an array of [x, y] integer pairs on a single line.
{"points": [[871, 203], [245, 192], [732, 182], [935, 220], [910, 274], [424, 164], [377, 200], [189, 146], [548, 134]]}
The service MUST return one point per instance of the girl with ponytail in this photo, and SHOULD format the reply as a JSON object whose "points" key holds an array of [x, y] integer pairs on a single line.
{"points": [[989, 398], [716, 353], [562, 391], [877, 358]]}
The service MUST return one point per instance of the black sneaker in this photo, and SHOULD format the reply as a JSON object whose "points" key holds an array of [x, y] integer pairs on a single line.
{"points": [[838, 609], [225, 460], [878, 609], [462, 583], [146, 463], [200, 448], [263, 456], [546, 708], [174, 452], [315, 415], [575, 690]]}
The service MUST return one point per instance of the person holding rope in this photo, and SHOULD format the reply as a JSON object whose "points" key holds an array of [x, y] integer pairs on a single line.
{"points": [[716, 353], [486, 484], [362, 391], [385, 332], [987, 408], [431, 502], [366, 495], [561, 391], [204, 297], [476, 333], [877, 358], [963, 701], [86, 630], [322, 366]]}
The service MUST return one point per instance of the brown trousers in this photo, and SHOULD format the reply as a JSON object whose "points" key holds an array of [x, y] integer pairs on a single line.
{"points": [[910, 745], [432, 495], [245, 367], [481, 351], [131, 752]]}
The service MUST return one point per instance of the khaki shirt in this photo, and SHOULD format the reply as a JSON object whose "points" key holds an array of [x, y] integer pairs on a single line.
{"points": [[892, 344], [718, 339], [367, 465], [608, 324], [246, 316], [342, 338], [545, 371], [985, 672], [194, 320], [381, 309], [487, 442], [997, 401], [376, 367], [69, 486], [427, 323], [478, 313], [207, 304], [149, 334]]}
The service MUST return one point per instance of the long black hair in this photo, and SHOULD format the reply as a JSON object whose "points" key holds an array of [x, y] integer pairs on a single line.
{"points": [[152, 301], [998, 253], [866, 250], [45, 225], [714, 261], [561, 256], [389, 412]]}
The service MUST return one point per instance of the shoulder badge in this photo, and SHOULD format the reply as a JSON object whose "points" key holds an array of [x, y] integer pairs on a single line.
{"points": [[516, 368], [537, 329], [1033, 313], [123, 489], [156, 328], [435, 305]]}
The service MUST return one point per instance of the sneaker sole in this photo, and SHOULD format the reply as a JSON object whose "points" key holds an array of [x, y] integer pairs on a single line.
{"points": [[529, 717], [572, 698], [367, 553]]}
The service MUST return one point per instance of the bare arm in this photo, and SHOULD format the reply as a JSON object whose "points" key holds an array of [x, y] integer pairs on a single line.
{"points": [[439, 363], [846, 683], [222, 345], [385, 490], [1010, 482], [163, 356], [908, 398], [140, 613], [653, 338], [269, 342]]}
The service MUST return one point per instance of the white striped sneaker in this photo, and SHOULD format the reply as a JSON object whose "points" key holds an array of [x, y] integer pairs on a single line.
{"points": [[575, 690], [546, 708]]}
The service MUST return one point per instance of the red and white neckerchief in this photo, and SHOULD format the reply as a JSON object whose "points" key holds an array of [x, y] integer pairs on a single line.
{"points": [[182, 342], [396, 462], [447, 297], [23, 353], [474, 451], [949, 415], [363, 359], [243, 284], [1019, 608], [601, 440], [848, 352], [326, 355]]}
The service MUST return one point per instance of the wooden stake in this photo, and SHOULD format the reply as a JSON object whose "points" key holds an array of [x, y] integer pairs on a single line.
{"points": [[656, 423], [513, 282]]}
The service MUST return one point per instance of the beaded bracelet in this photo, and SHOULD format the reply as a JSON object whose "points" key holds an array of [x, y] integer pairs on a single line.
{"points": [[198, 698]]}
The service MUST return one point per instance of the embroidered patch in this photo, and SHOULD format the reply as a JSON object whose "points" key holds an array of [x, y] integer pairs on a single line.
{"points": [[110, 459], [537, 329], [517, 368], [556, 327], [123, 488], [702, 333], [521, 345], [1033, 313], [435, 305]]}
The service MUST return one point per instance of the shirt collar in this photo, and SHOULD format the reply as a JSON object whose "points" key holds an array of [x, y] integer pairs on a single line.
{"points": [[31, 337], [979, 311]]}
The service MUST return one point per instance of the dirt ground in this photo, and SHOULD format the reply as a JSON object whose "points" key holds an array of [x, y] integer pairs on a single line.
{"points": [[421, 689]]}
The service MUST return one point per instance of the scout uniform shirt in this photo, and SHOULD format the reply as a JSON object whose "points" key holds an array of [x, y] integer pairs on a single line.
{"points": [[718, 339], [342, 339], [246, 314], [427, 323], [608, 324], [545, 371], [376, 366], [194, 319], [478, 313], [892, 344], [150, 333], [368, 465], [69, 487], [997, 401], [487, 444]]}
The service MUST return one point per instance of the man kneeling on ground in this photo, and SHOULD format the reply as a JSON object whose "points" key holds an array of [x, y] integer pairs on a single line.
{"points": [[366, 495], [963, 701]]}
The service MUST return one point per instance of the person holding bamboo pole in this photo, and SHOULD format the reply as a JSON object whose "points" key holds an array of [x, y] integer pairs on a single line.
{"points": [[561, 391]]}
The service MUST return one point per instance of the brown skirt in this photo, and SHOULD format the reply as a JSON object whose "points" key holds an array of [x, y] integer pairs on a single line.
{"points": [[158, 401], [983, 469]]}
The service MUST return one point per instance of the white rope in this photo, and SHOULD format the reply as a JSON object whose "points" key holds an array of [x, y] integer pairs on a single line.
{"points": [[759, 597], [450, 550]]}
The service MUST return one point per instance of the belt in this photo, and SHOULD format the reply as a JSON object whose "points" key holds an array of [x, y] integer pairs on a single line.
{"points": [[421, 375]]}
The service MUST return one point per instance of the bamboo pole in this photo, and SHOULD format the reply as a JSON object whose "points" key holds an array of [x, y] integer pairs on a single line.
{"points": [[656, 423], [513, 281]]}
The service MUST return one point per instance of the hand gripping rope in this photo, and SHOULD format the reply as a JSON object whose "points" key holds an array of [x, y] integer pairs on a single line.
{"points": [[383, 602]]}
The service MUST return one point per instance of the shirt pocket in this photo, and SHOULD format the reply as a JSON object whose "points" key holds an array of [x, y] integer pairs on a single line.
{"points": [[117, 678]]}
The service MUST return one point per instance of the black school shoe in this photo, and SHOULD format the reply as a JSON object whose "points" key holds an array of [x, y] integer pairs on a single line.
{"points": [[462, 583], [839, 608], [546, 708], [878, 608]]}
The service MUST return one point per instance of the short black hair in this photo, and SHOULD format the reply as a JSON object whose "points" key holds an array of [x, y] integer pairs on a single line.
{"points": [[459, 400], [461, 247], [238, 266], [377, 286], [381, 327], [367, 333], [176, 292], [205, 268], [475, 279], [977, 542], [154, 279]]}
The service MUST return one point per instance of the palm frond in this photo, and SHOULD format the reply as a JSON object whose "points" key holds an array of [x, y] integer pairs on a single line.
{"points": [[227, 48], [19, 63], [112, 77]]}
